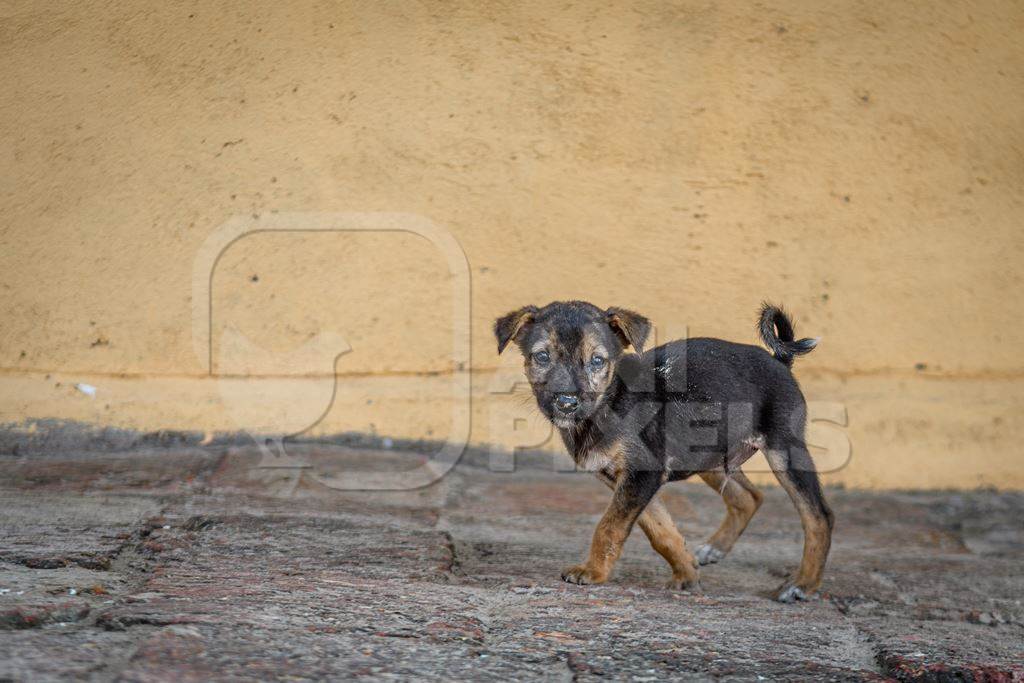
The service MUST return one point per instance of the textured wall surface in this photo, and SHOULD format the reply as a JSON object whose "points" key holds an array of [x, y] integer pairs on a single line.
{"points": [[862, 163]]}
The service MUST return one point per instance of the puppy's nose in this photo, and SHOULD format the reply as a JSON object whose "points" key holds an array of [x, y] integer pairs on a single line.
{"points": [[566, 403]]}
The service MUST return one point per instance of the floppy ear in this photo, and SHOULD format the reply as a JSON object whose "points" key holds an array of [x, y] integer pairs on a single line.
{"points": [[631, 328], [507, 327]]}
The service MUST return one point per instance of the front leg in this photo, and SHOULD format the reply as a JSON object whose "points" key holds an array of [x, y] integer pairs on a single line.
{"points": [[633, 491], [656, 522]]}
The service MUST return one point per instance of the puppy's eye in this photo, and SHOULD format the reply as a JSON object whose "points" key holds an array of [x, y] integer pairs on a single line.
{"points": [[597, 362], [541, 358]]}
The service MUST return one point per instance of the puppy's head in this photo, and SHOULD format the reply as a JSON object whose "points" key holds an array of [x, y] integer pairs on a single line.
{"points": [[570, 351]]}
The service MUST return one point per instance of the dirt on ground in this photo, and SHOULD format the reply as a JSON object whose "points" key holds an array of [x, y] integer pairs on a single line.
{"points": [[196, 563]]}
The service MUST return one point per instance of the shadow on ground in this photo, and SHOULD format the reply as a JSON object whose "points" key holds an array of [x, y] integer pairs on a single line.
{"points": [[192, 564]]}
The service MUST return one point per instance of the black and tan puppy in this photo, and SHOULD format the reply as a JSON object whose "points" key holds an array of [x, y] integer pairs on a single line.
{"points": [[695, 406]]}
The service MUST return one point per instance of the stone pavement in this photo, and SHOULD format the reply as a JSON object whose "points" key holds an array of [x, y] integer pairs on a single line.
{"points": [[194, 564]]}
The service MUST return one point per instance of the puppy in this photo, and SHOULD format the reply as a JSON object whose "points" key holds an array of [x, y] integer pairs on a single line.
{"points": [[696, 406]]}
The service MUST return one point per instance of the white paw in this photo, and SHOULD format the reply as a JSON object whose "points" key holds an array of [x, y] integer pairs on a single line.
{"points": [[708, 554], [790, 593]]}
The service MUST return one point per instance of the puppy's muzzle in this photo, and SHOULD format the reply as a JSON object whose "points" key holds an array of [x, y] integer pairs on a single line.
{"points": [[566, 404]]}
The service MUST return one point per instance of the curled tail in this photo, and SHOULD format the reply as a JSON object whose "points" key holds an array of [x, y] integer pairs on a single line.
{"points": [[777, 333]]}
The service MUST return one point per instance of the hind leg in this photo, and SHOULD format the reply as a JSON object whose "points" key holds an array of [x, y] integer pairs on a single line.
{"points": [[791, 462], [742, 499]]}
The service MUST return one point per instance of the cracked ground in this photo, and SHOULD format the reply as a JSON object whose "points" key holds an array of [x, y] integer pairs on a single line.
{"points": [[197, 564]]}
